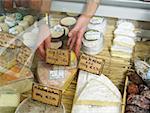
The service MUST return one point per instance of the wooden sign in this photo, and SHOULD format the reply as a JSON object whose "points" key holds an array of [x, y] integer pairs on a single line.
{"points": [[7, 40], [46, 95], [91, 64], [24, 56], [58, 57]]}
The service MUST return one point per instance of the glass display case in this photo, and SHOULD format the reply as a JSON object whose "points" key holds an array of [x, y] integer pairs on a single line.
{"points": [[129, 9]]}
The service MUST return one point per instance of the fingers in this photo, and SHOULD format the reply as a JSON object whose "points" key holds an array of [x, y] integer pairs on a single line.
{"points": [[79, 42], [47, 42], [41, 51]]}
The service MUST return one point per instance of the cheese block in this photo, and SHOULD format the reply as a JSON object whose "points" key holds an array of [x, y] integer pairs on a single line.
{"points": [[126, 26], [123, 32], [29, 19], [16, 73], [120, 51], [9, 99], [31, 106], [68, 21], [58, 77], [96, 94], [124, 41], [56, 45]]}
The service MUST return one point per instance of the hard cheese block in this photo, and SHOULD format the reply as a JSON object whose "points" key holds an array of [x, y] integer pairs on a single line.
{"points": [[96, 94]]}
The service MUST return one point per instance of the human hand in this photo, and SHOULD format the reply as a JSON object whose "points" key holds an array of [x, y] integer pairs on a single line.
{"points": [[44, 40], [76, 34]]}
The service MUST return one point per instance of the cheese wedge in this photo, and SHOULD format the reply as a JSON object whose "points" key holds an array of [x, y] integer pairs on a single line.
{"points": [[96, 94]]}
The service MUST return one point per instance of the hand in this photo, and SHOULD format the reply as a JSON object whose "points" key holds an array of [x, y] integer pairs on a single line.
{"points": [[76, 34], [44, 41]]}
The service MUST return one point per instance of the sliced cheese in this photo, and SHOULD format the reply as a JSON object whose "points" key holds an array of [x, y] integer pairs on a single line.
{"points": [[72, 14], [57, 32], [56, 45], [124, 41], [96, 20]]}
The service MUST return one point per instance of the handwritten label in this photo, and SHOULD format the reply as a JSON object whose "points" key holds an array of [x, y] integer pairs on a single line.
{"points": [[7, 40], [25, 56], [58, 57], [91, 64], [46, 95]]}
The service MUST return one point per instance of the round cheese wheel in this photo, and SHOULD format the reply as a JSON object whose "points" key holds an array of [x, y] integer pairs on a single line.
{"points": [[2, 18], [92, 35], [96, 20], [56, 45], [72, 14], [24, 24], [10, 20], [32, 106], [29, 18], [57, 32], [68, 21]]}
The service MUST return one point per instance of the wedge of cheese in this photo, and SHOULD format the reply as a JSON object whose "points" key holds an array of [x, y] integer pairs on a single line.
{"points": [[96, 94]]}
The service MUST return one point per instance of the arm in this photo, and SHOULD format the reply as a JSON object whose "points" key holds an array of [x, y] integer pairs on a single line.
{"points": [[76, 34]]}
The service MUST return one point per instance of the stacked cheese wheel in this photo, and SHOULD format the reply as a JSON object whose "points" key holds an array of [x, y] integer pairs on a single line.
{"points": [[92, 42], [15, 23], [124, 40]]}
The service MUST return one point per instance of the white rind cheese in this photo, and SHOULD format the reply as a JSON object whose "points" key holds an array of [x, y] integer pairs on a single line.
{"points": [[96, 94], [68, 21]]}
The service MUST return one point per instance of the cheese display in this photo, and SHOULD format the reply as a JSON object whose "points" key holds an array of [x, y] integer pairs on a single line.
{"points": [[2, 18], [68, 21], [94, 94], [124, 40], [24, 24], [16, 30], [31, 106], [92, 42], [98, 23]]}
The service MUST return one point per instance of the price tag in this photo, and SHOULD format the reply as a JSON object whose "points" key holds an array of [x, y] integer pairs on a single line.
{"points": [[58, 57], [91, 64], [7, 40], [46, 95], [25, 56]]}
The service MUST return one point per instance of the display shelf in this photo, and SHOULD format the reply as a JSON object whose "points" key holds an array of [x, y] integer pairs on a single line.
{"points": [[129, 9]]}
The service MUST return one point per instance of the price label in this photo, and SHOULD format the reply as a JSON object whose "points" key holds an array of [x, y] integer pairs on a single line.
{"points": [[25, 56], [91, 64], [58, 57], [46, 95], [7, 40]]}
